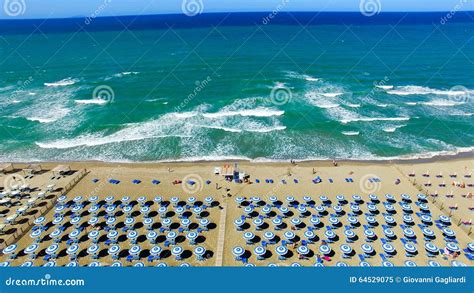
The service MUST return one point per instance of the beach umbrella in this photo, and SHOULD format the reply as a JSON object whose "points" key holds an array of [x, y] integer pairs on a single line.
{"points": [[74, 234], [116, 264], [127, 210], [338, 209], [139, 265], [55, 234], [373, 198], [319, 209], [158, 199], [433, 263], [260, 251], [109, 199], [309, 235], [341, 264], [199, 251], [76, 221], [389, 208], [174, 200], [295, 264], [60, 209], [340, 198], [209, 200], [445, 220], [356, 198], [58, 220], [346, 249], [307, 198], [315, 221], [352, 220], [390, 197], [453, 247], [144, 210], [324, 249], [330, 234], [258, 222], [93, 249], [113, 250], [366, 248], [266, 210], [94, 264], [371, 220], [372, 208], [407, 219], [389, 219], [410, 248], [77, 199], [409, 233], [255, 199], [52, 249], [92, 221], [290, 199], [50, 263], [426, 219], [4, 264], [27, 264], [364, 264], [93, 209], [269, 235], [449, 233], [239, 200], [295, 221], [162, 264], [318, 265], [388, 248], [36, 235], [428, 232], [129, 221], [166, 222], [110, 210], [387, 264], [334, 221], [93, 235], [302, 209], [284, 210], [148, 222], [272, 265], [31, 249], [177, 251], [389, 233], [323, 198], [135, 250], [39, 220], [289, 235], [406, 197], [112, 235], [238, 251], [203, 223], [93, 198], [62, 199], [470, 247], [171, 236], [303, 250], [248, 236], [72, 250], [423, 207], [456, 263], [281, 250], [151, 236], [355, 208], [406, 207], [132, 235], [421, 197], [369, 233], [185, 222], [248, 210], [156, 250], [191, 236], [349, 233], [277, 221], [431, 248]]}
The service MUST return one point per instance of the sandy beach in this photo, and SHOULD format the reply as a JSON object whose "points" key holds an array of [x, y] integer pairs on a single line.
{"points": [[89, 179]]}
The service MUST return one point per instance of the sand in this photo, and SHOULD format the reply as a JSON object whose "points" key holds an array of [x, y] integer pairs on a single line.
{"points": [[222, 236]]}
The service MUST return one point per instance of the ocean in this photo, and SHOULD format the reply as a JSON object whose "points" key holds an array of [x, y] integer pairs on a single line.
{"points": [[266, 90]]}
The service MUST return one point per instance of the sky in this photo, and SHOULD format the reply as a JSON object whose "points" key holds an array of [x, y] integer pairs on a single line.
{"points": [[19, 9]]}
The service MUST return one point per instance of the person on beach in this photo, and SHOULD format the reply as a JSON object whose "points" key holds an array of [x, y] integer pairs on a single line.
{"points": [[334, 163]]}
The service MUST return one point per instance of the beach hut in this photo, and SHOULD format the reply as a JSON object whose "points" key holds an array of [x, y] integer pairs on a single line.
{"points": [[61, 170], [33, 169], [6, 167]]}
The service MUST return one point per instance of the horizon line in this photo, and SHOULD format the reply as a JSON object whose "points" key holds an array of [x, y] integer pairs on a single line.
{"points": [[229, 12]]}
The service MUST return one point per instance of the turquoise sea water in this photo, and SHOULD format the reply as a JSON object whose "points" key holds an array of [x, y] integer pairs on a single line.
{"points": [[273, 92]]}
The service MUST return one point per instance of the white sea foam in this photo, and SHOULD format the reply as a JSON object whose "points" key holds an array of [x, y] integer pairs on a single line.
{"points": [[351, 133], [353, 105], [369, 119], [420, 90], [41, 120], [393, 129], [63, 82], [331, 95], [258, 112], [92, 101], [295, 75], [384, 87]]}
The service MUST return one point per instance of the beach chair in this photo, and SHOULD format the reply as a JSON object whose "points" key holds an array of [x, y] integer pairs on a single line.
{"points": [[383, 257], [361, 257], [469, 256]]}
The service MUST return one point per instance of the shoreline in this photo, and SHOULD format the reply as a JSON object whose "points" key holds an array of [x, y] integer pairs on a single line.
{"points": [[389, 160]]}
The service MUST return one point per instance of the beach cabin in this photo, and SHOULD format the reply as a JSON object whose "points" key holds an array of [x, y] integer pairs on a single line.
{"points": [[6, 167], [32, 169], [61, 170]]}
